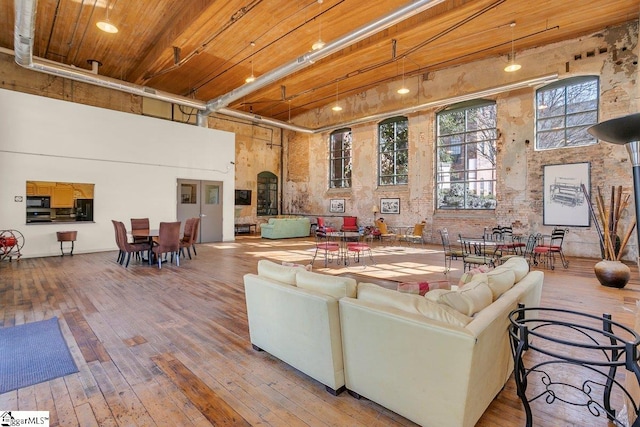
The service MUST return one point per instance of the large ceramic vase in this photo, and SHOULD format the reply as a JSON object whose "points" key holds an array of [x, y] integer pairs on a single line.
{"points": [[614, 274]]}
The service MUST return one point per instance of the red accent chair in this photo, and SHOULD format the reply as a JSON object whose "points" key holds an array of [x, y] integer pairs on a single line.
{"points": [[322, 228], [349, 223]]}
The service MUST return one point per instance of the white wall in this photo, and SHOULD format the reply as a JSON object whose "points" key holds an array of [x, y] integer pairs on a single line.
{"points": [[134, 162]]}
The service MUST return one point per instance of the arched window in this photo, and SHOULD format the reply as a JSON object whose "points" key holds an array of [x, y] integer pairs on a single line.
{"points": [[340, 159], [267, 194], [564, 111], [393, 151], [466, 156]]}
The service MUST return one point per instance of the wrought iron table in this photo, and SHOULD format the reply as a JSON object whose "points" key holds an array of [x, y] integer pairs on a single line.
{"points": [[564, 345]]}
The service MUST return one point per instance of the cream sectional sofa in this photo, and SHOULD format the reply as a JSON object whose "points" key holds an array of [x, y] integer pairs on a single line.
{"points": [[438, 360], [293, 315]]}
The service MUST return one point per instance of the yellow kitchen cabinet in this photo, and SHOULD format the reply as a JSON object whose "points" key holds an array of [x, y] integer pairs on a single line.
{"points": [[43, 189], [83, 191], [31, 189], [62, 196]]}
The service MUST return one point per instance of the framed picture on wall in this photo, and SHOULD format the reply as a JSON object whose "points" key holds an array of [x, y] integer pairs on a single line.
{"points": [[389, 206], [336, 206], [564, 201]]}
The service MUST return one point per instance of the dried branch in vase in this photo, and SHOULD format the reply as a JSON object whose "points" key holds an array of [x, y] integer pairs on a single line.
{"points": [[608, 222]]}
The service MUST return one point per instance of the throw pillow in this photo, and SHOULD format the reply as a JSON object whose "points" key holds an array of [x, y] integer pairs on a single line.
{"points": [[334, 286], [468, 276], [468, 300], [519, 265], [409, 303], [500, 281], [280, 273], [290, 264], [419, 288]]}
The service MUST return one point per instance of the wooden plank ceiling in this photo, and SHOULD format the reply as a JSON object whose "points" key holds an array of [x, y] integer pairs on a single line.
{"points": [[203, 49]]}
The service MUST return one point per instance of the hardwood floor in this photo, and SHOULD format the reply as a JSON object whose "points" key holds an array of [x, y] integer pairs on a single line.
{"points": [[171, 346]]}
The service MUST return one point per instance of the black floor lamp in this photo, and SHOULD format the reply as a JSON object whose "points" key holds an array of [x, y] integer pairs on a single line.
{"points": [[625, 131]]}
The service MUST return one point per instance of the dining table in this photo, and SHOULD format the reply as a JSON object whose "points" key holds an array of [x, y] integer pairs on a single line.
{"points": [[148, 233]]}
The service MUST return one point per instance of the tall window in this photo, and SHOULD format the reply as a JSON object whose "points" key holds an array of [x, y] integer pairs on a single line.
{"points": [[564, 111], [340, 159], [393, 151], [466, 156], [267, 194]]}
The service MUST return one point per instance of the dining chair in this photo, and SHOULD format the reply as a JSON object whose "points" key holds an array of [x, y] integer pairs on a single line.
{"points": [[195, 234], [449, 253], [118, 242], [168, 242], [475, 252], [140, 224], [188, 236], [526, 252], [385, 231], [349, 223], [414, 234], [328, 248], [125, 247], [322, 227], [546, 251]]}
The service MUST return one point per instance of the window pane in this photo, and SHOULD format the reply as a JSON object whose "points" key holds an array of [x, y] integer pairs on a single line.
{"points": [[393, 154], [466, 157], [564, 110], [340, 159]]}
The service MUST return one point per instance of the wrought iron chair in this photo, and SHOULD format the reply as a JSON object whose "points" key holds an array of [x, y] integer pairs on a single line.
{"points": [[449, 253], [413, 234], [546, 251], [475, 253]]}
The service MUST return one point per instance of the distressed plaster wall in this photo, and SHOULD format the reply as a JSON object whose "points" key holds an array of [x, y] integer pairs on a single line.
{"points": [[610, 54]]}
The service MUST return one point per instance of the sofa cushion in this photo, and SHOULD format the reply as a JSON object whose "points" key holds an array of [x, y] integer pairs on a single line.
{"points": [[281, 273], [410, 303], [468, 300], [335, 286], [469, 275], [519, 265], [307, 267], [500, 280]]}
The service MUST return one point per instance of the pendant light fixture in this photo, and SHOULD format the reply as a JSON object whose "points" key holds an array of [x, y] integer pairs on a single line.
{"points": [[251, 78], [337, 106], [403, 89], [513, 66], [106, 25], [319, 44]]}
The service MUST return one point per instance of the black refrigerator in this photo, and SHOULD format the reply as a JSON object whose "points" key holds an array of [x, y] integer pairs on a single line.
{"points": [[84, 209]]}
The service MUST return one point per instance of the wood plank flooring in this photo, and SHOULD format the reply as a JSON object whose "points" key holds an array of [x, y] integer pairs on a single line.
{"points": [[171, 346]]}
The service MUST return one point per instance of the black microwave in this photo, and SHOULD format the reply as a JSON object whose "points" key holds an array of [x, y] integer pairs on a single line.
{"points": [[38, 202]]}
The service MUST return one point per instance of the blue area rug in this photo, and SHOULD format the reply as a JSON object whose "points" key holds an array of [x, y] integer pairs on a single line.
{"points": [[33, 353]]}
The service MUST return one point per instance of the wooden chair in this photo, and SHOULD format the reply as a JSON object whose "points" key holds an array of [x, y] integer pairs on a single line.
{"points": [[125, 247], [168, 242]]}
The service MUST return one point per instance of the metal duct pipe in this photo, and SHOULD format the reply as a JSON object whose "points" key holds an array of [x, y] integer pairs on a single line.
{"points": [[23, 49], [407, 110], [309, 58]]}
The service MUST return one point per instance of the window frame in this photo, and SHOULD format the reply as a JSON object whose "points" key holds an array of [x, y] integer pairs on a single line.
{"points": [[400, 148], [569, 130], [342, 137], [267, 194], [479, 179]]}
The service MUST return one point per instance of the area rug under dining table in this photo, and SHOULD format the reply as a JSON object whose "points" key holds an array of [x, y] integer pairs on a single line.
{"points": [[33, 353]]}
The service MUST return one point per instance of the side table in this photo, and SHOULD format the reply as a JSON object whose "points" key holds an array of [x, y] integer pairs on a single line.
{"points": [[66, 236], [245, 228], [570, 357]]}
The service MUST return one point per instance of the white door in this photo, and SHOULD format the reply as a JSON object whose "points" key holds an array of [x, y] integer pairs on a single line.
{"points": [[201, 199]]}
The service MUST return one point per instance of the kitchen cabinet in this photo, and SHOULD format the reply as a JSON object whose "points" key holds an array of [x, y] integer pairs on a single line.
{"points": [[31, 189], [40, 188], [83, 191], [62, 196]]}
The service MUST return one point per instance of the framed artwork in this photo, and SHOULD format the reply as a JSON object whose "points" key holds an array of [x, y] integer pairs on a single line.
{"points": [[564, 200], [389, 206], [336, 206]]}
